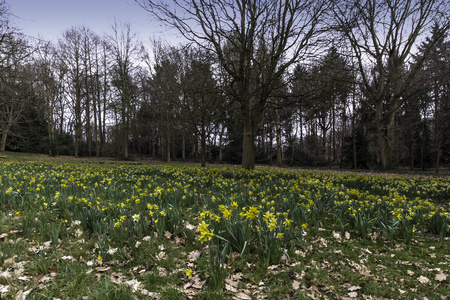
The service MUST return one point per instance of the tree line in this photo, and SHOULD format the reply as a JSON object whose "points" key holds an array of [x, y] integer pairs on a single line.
{"points": [[355, 84]]}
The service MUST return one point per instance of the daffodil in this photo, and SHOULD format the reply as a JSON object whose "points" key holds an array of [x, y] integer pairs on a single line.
{"points": [[188, 272]]}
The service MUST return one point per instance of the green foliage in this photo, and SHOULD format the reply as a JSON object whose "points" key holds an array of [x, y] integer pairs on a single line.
{"points": [[125, 222]]}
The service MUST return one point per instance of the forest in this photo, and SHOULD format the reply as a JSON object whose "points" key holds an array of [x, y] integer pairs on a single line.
{"points": [[313, 83]]}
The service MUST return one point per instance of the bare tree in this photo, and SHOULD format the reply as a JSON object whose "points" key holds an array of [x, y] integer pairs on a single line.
{"points": [[49, 87], [383, 33], [14, 78], [254, 41], [71, 59], [126, 52], [202, 104]]}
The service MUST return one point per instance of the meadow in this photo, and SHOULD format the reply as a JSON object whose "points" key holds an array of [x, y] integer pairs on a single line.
{"points": [[104, 230]]}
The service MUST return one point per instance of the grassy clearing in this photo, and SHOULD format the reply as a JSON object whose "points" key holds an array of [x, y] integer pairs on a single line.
{"points": [[114, 231]]}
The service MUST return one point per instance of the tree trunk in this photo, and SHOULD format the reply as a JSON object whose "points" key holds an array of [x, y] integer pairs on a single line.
{"points": [[203, 149], [5, 132], [248, 145], [183, 148], [278, 137], [168, 149], [220, 143]]}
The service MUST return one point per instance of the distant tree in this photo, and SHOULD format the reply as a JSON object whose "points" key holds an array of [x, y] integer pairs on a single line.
{"points": [[48, 87], [254, 41], [70, 51], [15, 81], [165, 95], [433, 89], [126, 52], [202, 103], [382, 34]]}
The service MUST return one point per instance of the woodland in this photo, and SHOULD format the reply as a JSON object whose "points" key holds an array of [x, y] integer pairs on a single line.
{"points": [[313, 83]]}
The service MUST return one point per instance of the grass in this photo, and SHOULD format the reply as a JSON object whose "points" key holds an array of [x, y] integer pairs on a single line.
{"points": [[92, 230]]}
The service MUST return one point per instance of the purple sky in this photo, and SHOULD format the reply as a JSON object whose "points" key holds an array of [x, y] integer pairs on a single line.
{"points": [[48, 19]]}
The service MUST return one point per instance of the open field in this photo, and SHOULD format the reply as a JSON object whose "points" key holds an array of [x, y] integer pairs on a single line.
{"points": [[107, 230]]}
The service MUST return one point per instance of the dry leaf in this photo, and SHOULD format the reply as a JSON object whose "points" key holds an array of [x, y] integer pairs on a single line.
{"points": [[423, 279], [354, 288], [134, 284], [194, 255], [353, 294], [179, 241], [168, 234], [5, 274], [23, 295], [188, 226], [295, 285], [160, 255], [409, 272], [402, 291], [45, 278], [162, 271], [4, 289], [440, 277], [102, 269], [347, 235], [241, 296], [198, 284], [23, 278], [336, 235], [231, 288]]}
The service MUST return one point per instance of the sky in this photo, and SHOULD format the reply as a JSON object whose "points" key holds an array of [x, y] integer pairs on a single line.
{"points": [[48, 19]]}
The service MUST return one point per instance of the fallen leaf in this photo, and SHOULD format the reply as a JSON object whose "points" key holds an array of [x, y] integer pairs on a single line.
{"points": [[353, 294], [347, 235], [295, 285], [162, 271], [4, 289], [194, 255], [167, 234], [160, 255], [188, 226], [440, 277], [102, 269], [402, 291], [23, 278], [241, 296], [5, 274], [423, 279], [230, 288], [179, 241], [112, 251], [354, 288], [23, 295], [198, 284], [409, 272], [45, 278], [134, 284]]}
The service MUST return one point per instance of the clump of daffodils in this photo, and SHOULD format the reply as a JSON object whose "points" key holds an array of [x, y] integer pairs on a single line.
{"points": [[205, 233]]}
